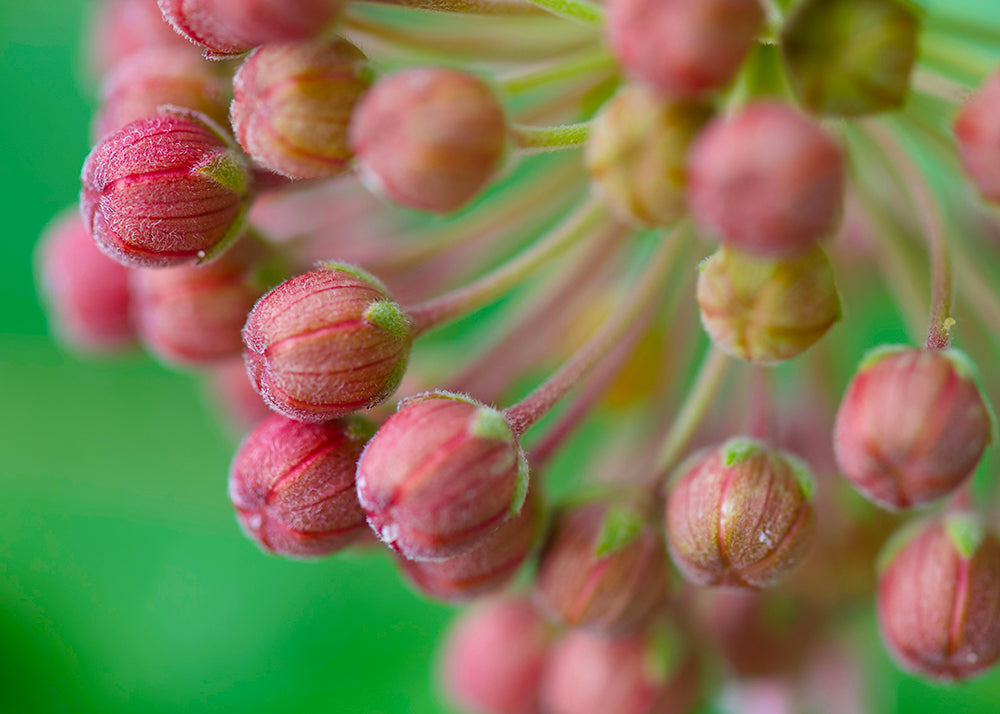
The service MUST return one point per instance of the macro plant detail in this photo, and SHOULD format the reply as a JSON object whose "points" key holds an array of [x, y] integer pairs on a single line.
{"points": [[432, 251]]}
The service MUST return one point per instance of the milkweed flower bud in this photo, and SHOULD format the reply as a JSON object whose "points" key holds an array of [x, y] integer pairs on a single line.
{"points": [[231, 27], [327, 343], [121, 28], [486, 568], [977, 129], [429, 138], [146, 81], [767, 310], [939, 598], [441, 474], [163, 191], [292, 485], [683, 48], [769, 180], [193, 315], [740, 515], [86, 292], [635, 154], [651, 673], [912, 425], [604, 568], [494, 658], [850, 57], [292, 104], [228, 388]]}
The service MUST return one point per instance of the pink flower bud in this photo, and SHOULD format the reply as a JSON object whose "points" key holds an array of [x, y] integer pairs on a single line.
{"points": [[292, 485], [164, 191], [229, 27], [86, 292], [488, 567], [292, 104], [683, 48], [766, 310], [160, 76], [740, 515], [769, 180], [327, 343], [442, 474], [912, 426], [636, 151], [939, 598], [977, 129], [121, 28], [229, 388], [604, 568], [429, 138], [651, 673], [193, 315], [494, 658]]}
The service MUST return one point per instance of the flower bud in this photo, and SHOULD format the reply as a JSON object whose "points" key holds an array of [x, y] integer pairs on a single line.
{"points": [[635, 154], [121, 28], [442, 474], [193, 315], [429, 138], [977, 129], [850, 57], [86, 292], [767, 310], [939, 598], [292, 104], [160, 76], [740, 515], [163, 191], [768, 180], [603, 568], [912, 425], [229, 390], [651, 673], [494, 658], [231, 27], [683, 48], [327, 343], [292, 485], [488, 567]]}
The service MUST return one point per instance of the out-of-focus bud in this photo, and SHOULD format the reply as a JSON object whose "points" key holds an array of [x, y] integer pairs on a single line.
{"points": [[939, 598], [159, 76], [441, 474], [231, 27], [86, 292], [488, 567], [768, 180], [121, 28], [292, 105], [651, 673], [851, 57], [429, 138], [292, 485], [494, 658], [912, 425], [767, 310], [327, 343], [165, 190], [228, 387], [604, 568], [977, 129], [683, 48], [193, 315], [635, 154], [740, 515]]}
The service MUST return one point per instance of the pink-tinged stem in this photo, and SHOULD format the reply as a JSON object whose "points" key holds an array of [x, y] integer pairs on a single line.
{"points": [[580, 225], [925, 202], [525, 413], [760, 412]]}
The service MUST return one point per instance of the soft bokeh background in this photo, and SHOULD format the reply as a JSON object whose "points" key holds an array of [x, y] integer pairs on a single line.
{"points": [[125, 585]]}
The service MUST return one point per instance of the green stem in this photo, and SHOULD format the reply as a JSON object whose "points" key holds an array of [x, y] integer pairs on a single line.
{"points": [[953, 59], [569, 68], [534, 139], [964, 29], [581, 10]]}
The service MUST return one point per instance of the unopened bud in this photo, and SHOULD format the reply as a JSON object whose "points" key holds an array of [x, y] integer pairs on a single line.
{"points": [[977, 129], [121, 28]]}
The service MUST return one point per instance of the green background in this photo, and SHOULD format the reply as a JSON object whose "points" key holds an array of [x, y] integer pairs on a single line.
{"points": [[125, 585]]}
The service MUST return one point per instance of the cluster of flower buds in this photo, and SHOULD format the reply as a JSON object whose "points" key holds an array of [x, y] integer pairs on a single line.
{"points": [[573, 164]]}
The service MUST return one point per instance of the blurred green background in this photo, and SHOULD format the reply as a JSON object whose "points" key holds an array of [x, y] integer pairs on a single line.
{"points": [[125, 585]]}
